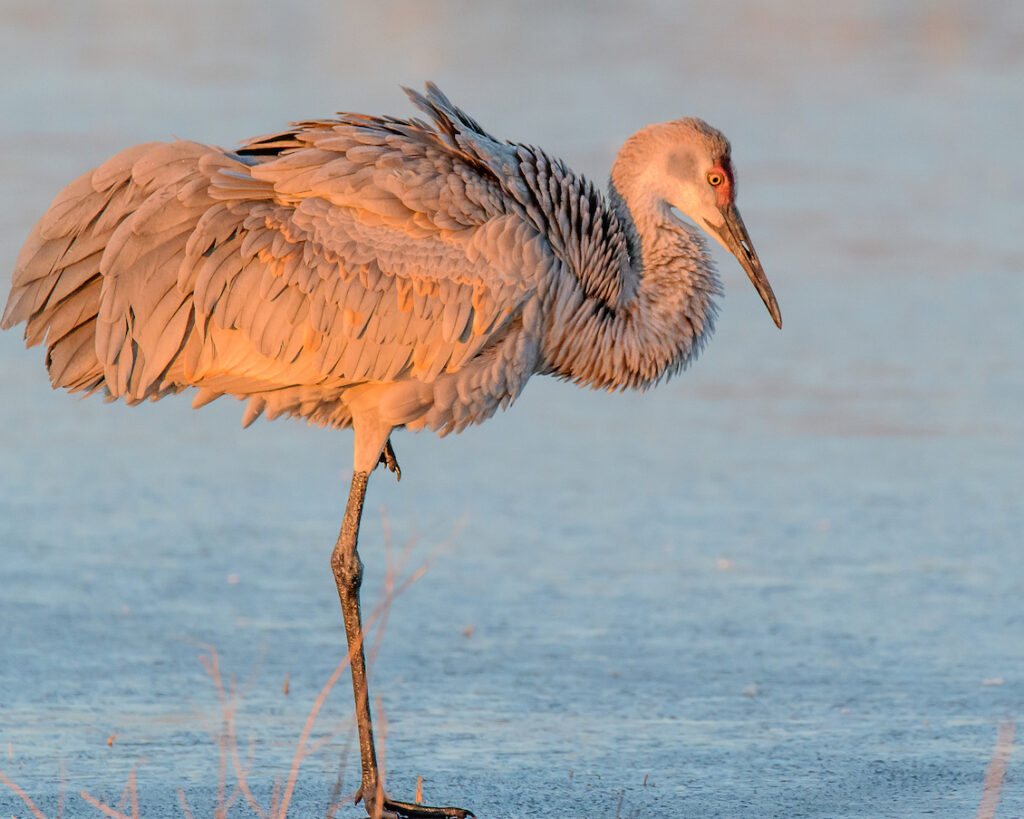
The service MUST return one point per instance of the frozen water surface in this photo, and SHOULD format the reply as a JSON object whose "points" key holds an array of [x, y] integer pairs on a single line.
{"points": [[773, 587]]}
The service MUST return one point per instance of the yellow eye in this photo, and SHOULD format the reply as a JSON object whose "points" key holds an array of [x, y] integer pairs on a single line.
{"points": [[715, 178]]}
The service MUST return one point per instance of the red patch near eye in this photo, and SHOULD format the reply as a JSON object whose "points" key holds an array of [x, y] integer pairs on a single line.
{"points": [[725, 190]]}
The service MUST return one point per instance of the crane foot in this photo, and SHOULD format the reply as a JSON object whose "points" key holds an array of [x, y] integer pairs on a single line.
{"points": [[393, 809], [387, 457]]}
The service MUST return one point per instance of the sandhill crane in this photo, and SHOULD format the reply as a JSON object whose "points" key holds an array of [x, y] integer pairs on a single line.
{"points": [[379, 273]]}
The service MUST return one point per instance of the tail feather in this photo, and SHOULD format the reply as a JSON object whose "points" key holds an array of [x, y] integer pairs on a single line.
{"points": [[75, 309], [72, 362], [168, 267], [59, 277]]}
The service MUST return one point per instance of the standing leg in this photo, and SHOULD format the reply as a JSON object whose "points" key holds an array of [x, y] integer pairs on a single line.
{"points": [[348, 574]]}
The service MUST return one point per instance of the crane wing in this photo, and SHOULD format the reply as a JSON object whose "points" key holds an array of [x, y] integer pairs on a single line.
{"points": [[406, 252], [343, 252]]}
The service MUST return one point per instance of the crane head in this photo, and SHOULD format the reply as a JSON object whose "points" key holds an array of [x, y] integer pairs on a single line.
{"points": [[690, 169]]}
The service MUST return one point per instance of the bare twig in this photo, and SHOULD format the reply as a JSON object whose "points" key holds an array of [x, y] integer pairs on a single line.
{"points": [[241, 774], [135, 795], [300, 750], [24, 797], [130, 793], [996, 771], [62, 791], [183, 801], [337, 800], [382, 734], [313, 747], [226, 738], [275, 797], [100, 806], [119, 807]]}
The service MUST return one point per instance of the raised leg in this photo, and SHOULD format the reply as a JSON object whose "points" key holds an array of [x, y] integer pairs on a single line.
{"points": [[348, 574], [388, 458]]}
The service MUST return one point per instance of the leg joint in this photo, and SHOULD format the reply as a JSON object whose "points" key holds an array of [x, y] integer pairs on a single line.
{"points": [[347, 567]]}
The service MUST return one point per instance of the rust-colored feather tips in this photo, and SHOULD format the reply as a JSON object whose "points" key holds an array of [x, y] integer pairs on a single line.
{"points": [[414, 273]]}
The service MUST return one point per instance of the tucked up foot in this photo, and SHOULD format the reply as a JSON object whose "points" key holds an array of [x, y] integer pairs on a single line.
{"points": [[387, 457], [392, 809]]}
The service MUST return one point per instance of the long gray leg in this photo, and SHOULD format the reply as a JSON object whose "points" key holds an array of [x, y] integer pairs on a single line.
{"points": [[348, 574]]}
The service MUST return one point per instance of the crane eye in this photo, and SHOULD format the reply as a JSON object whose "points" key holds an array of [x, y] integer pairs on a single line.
{"points": [[715, 178]]}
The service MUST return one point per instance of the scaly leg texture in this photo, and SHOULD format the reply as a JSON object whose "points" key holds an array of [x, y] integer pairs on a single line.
{"points": [[348, 574]]}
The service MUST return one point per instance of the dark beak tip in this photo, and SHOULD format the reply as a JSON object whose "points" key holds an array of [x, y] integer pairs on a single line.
{"points": [[733, 234]]}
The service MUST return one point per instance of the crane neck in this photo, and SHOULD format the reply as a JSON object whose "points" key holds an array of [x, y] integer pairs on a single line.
{"points": [[625, 216], [667, 312], [662, 246]]}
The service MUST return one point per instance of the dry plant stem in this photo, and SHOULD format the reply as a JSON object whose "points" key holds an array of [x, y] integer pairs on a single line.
{"points": [[275, 800], [131, 790], [124, 795], [337, 799], [226, 738], [185, 807], [301, 750], [230, 710], [24, 797], [62, 792], [134, 795], [109, 811]]}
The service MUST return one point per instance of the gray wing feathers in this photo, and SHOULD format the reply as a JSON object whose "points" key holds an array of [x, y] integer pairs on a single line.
{"points": [[356, 251], [394, 283]]}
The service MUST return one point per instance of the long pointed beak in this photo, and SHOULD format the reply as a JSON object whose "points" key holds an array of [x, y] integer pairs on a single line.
{"points": [[733, 234]]}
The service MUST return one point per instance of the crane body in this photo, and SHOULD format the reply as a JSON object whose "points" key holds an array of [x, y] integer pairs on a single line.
{"points": [[379, 273]]}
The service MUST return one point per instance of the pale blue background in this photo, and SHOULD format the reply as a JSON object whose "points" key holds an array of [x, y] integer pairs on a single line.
{"points": [[860, 471]]}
